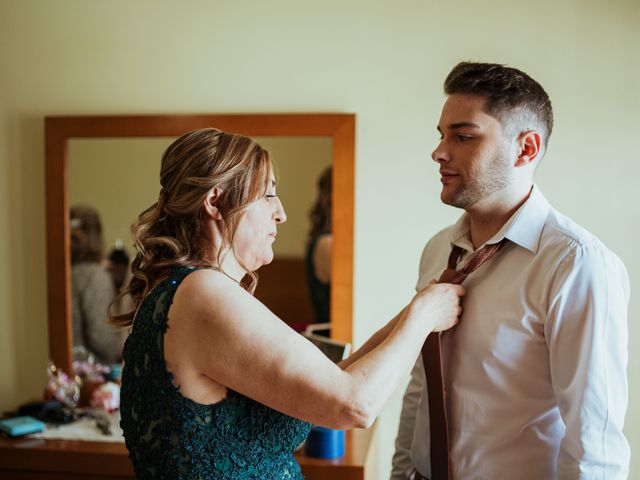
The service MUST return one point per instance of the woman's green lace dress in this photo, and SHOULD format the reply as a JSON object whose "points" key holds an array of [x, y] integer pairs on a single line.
{"points": [[170, 436]]}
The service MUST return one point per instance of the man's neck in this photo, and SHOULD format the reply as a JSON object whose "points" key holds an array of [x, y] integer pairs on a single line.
{"points": [[488, 216]]}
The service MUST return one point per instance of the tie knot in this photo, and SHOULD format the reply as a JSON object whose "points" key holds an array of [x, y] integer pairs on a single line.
{"points": [[451, 275]]}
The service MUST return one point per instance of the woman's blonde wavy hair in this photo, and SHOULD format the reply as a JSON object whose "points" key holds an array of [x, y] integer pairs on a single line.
{"points": [[173, 231]]}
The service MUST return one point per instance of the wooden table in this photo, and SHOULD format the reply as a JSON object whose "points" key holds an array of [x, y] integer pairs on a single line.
{"points": [[38, 459]]}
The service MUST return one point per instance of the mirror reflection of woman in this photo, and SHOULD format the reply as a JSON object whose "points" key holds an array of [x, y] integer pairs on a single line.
{"points": [[319, 247], [92, 289], [214, 385]]}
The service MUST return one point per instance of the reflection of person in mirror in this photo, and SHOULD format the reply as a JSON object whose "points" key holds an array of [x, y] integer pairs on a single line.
{"points": [[318, 254], [92, 288], [214, 385], [118, 266]]}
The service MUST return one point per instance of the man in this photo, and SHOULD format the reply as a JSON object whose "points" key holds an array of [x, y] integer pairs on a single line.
{"points": [[535, 372]]}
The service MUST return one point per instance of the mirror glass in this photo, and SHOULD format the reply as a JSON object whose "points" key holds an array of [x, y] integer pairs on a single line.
{"points": [[111, 180]]}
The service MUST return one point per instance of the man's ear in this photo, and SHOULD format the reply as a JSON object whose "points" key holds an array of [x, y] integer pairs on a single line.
{"points": [[529, 147], [211, 203]]}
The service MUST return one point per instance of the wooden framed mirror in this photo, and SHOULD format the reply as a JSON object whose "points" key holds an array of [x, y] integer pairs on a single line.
{"points": [[61, 131]]}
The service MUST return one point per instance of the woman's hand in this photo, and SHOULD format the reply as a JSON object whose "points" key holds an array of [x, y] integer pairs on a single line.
{"points": [[438, 304]]}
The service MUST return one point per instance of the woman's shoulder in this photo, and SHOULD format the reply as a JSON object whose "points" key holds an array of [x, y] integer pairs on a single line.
{"points": [[324, 241], [88, 269], [203, 280], [89, 276], [207, 290]]}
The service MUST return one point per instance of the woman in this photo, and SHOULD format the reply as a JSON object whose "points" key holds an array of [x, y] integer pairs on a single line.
{"points": [[91, 289], [214, 385], [318, 254]]}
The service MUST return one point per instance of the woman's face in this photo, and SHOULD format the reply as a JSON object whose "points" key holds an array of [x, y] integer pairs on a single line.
{"points": [[257, 229]]}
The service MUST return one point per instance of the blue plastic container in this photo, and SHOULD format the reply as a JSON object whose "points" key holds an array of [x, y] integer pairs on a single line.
{"points": [[116, 372], [24, 425], [325, 443]]}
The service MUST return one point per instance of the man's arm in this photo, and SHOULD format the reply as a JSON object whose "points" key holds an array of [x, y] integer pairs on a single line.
{"points": [[401, 458], [586, 332]]}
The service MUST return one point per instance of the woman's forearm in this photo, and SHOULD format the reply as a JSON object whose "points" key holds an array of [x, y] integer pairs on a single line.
{"points": [[372, 343], [378, 373]]}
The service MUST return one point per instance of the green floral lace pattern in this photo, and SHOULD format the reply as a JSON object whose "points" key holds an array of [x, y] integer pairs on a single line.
{"points": [[170, 436]]}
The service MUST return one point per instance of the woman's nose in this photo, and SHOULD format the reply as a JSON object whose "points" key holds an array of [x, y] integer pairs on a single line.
{"points": [[280, 215]]}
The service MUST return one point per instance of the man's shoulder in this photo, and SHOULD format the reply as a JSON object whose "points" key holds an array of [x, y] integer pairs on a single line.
{"points": [[563, 232], [439, 241], [567, 241]]}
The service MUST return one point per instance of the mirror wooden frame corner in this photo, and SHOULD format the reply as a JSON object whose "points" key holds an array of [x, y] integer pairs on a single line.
{"points": [[60, 129]]}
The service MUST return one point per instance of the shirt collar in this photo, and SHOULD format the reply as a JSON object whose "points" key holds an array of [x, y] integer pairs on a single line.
{"points": [[524, 228]]}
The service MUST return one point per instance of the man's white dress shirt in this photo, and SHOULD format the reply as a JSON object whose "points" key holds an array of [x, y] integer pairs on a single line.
{"points": [[535, 372]]}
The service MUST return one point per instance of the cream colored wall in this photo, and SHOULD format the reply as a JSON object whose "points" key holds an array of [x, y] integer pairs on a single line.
{"points": [[385, 61], [117, 177]]}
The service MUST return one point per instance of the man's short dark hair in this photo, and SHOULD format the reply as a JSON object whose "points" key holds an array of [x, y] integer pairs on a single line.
{"points": [[510, 93]]}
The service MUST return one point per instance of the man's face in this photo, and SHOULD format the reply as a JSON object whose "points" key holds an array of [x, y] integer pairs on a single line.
{"points": [[473, 154]]}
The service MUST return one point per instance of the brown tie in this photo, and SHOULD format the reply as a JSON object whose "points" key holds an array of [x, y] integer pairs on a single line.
{"points": [[432, 360]]}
